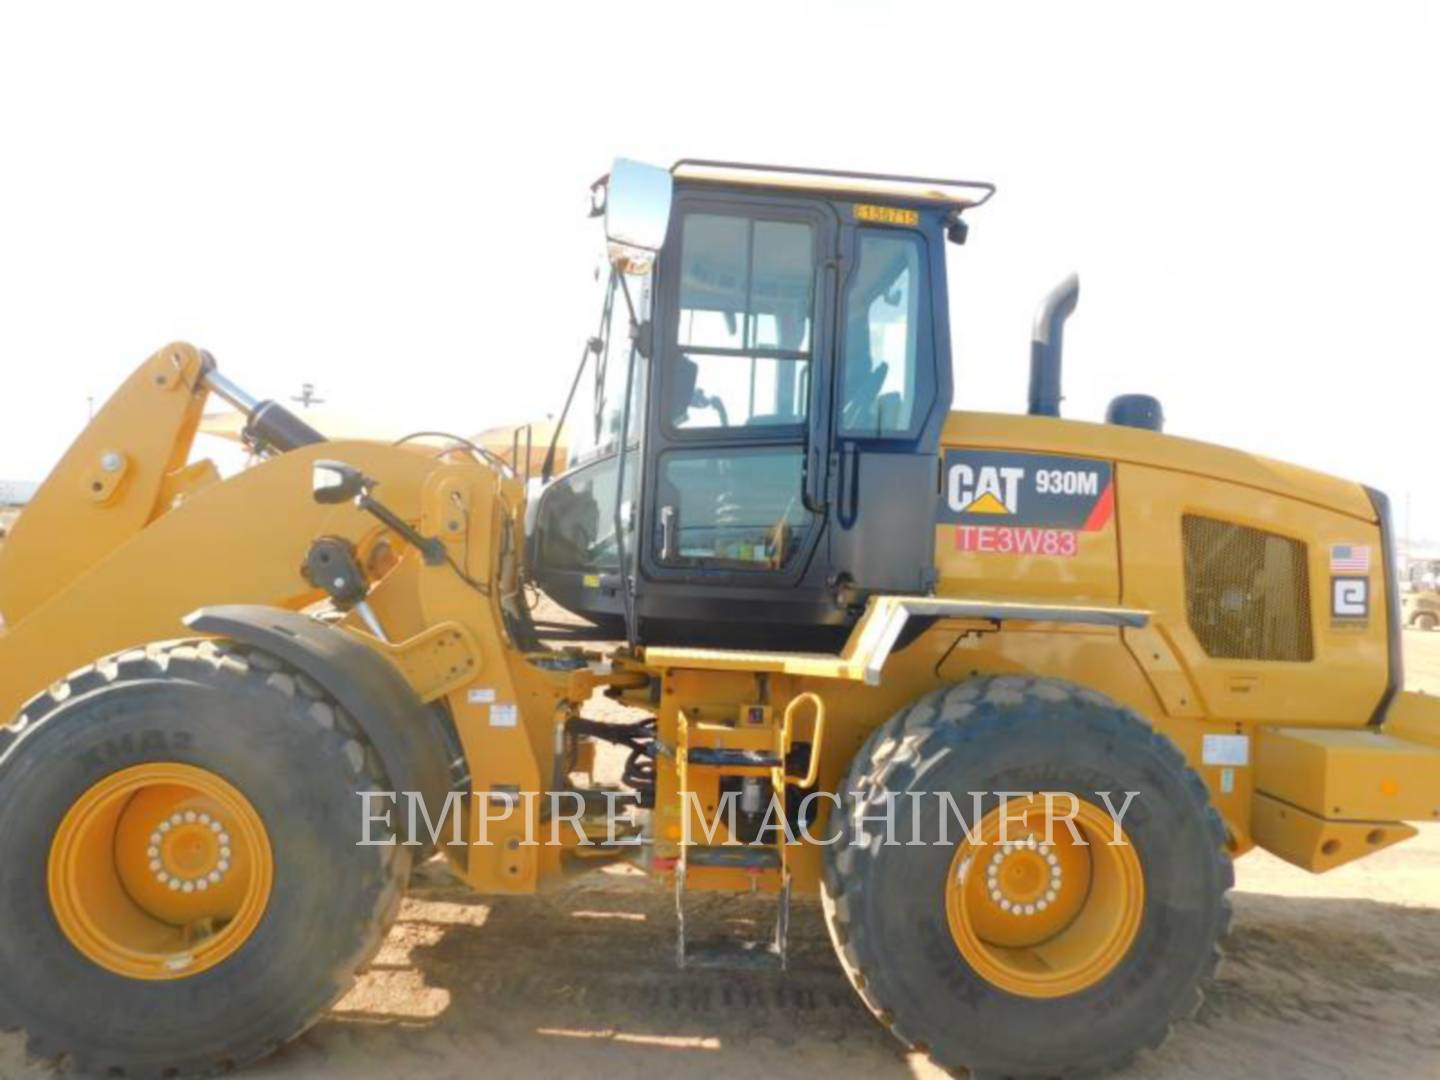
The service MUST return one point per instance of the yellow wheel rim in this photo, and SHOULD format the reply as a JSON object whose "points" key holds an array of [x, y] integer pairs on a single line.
{"points": [[1042, 910], [160, 871]]}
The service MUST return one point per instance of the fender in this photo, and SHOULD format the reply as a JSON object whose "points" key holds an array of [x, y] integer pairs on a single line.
{"points": [[415, 741]]}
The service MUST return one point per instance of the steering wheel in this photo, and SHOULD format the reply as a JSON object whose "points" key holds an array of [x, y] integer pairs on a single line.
{"points": [[865, 397], [702, 400]]}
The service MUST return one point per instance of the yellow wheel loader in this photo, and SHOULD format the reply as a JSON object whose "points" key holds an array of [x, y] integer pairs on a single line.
{"points": [[1008, 693], [1420, 599]]}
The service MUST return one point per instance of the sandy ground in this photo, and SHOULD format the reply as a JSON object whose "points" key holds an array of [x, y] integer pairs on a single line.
{"points": [[1330, 976]]}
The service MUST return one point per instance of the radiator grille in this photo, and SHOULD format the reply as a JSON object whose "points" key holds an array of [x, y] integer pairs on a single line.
{"points": [[1247, 591]]}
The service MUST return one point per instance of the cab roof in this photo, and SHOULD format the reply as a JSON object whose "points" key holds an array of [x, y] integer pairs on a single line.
{"points": [[959, 194]]}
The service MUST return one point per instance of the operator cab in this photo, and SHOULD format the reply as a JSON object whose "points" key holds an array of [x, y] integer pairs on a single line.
{"points": [[770, 378]]}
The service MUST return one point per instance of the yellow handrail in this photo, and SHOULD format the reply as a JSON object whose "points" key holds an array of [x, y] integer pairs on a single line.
{"points": [[816, 738]]}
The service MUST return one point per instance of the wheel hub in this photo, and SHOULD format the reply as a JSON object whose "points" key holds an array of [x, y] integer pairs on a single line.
{"points": [[189, 851], [159, 871], [1024, 878], [1039, 900]]}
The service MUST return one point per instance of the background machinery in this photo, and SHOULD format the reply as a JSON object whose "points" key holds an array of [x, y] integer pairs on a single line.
{"points": [[1073, 668]]}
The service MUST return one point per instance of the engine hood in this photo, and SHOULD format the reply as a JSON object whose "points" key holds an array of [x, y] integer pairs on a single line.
{"points": [[1043, 434]]}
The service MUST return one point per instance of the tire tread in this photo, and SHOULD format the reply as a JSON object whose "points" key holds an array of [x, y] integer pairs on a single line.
{"points": [[221, 663], [895, 746]]}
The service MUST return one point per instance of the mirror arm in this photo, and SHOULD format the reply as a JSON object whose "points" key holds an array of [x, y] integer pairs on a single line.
{"points": [[430, 547], [594, 345], [630, 305]]}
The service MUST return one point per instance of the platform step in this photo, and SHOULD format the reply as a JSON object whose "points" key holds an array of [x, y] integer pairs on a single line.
{"points": [[733, 857], [734, 956], [720, 757]]}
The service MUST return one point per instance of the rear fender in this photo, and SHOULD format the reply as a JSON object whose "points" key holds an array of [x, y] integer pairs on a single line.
{"points": [[1415, 717]]}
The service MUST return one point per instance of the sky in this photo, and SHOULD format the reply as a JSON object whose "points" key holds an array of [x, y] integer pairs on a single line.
{"points": [[388, 201]]}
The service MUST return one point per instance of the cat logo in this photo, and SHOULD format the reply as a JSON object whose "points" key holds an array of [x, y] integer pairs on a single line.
{"points": [[992, 489], [1021, 489]]}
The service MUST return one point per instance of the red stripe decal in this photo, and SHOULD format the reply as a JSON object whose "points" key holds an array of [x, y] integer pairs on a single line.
{"points": [[1103, 508]]}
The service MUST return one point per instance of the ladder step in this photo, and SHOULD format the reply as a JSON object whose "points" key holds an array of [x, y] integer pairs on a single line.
{"points": [[720, 757], [735, 955], [733, 857]]}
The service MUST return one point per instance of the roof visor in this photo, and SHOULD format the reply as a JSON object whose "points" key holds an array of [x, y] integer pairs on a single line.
{"points": [[961, 194]]}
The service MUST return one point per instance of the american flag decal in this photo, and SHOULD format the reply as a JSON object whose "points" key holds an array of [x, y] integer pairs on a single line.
{"points": [[1349, 559]]}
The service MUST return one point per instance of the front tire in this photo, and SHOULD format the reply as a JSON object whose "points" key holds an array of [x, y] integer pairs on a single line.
{"points": [[1021, 973], [183, 889]]}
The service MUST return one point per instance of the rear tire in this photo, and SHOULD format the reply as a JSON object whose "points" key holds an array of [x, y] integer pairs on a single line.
{"points": [[886, 905], [275, 737], [1426, 620]]}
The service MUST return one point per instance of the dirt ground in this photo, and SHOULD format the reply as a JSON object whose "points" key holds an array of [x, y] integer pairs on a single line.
{"points": [[1330, 976]]}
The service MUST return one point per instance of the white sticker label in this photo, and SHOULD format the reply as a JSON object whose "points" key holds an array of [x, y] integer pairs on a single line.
{"points": [[1225, 750], [1227, 781], [481, 695], [504, 715], [1350, 597]]}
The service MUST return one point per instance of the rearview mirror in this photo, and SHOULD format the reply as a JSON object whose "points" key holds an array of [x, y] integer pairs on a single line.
{"points": [[637, 214], [333, 482]]}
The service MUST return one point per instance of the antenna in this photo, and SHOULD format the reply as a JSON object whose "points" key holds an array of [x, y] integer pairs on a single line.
{"points": [[307, 397]]}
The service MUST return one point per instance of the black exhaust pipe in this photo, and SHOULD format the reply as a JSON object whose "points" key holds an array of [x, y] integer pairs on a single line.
{"points": [[1047, 341]]}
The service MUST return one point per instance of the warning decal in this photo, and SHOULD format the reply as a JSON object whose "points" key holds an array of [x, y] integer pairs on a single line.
{"points": [[1004, 502]]}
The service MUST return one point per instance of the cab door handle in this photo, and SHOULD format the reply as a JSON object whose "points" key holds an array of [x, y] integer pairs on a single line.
{"points": [[668, 518], [848, 488], [811, 485]]}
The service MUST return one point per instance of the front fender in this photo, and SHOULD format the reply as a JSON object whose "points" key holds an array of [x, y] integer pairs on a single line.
{"points": [[415, 741]]}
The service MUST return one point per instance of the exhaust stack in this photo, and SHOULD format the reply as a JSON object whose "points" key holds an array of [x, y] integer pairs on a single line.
{"points": [[1047, 341]]}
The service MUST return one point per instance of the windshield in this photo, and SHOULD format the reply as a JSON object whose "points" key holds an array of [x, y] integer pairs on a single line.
{"points": [[576, 517]]}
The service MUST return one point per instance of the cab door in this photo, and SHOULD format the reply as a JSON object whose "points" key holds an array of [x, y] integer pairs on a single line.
{"points": [[736, 447], [893, 392]]}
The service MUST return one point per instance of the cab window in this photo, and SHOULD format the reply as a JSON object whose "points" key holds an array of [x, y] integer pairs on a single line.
{"points": [[887, 353], [735, 508], [745, 323]]}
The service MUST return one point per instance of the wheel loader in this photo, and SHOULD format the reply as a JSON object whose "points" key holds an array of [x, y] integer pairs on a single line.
{"points": [[1420, 600], [1007, 693]]}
